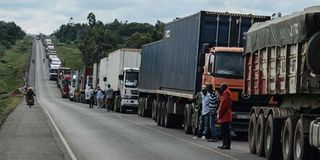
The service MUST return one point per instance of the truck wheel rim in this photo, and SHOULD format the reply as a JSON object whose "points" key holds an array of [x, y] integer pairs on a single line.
{"points": [[298, 145]]}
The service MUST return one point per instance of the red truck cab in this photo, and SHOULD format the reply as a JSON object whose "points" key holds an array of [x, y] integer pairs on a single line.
{"points": [[64, 79], [226, 65]]}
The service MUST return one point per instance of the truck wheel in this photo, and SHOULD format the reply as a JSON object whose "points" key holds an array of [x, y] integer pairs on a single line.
{"points": [[147, 105], [153, 110], [168, 118], [301, 148], [158, 113], [163, 106], [116, 104], [251, 133], [259, 135], [187, 119], [287, 138], [272, 138], [122, 109]]}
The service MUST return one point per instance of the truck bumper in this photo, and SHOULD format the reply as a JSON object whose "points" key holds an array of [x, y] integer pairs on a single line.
{"points": [[240, 122], [130, 103]]}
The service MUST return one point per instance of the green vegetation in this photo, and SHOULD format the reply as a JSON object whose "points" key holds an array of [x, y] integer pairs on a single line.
{"points": [[96, 39], [9, 34], [13, 63], [70, 54]]}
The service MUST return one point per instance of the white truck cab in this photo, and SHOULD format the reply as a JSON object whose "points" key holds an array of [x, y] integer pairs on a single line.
{"points": [[129, 87]]}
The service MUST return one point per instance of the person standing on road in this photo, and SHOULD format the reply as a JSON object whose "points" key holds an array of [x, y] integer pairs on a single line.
{"points": [[203, 129], [225, 115], [91, 95], [99, 97], [109, 97], [212, 105]]}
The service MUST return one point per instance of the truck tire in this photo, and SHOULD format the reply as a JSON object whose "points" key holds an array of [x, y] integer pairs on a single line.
{"points": [[146, 110], [122, 109], [301, 147], [116, 104], [251, 133], [153, 110], [141, 106], [158, 113], [259, 135], [187, 119], [168, 118], [272, 137], [163, 106], [287, 138]]}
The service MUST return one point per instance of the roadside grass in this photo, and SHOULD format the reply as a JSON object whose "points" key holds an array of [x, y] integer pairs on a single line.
{"points": [[13, 63], [70, 54]]}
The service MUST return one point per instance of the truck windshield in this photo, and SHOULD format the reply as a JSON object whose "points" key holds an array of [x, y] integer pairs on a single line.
{"points": [[90, 80], [131, 79], [228, 64], [53, 71]]}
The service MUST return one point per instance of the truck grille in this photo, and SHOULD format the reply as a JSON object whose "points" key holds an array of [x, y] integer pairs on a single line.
{"points": [[134, 92]]}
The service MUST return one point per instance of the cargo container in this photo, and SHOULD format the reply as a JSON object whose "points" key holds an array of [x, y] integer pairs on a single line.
{"points": [[122, 74], [172, 69], [282, 66], [102, 76], [95, 75]]}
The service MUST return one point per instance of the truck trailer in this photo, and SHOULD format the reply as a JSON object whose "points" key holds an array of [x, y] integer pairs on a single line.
{"points": [[172, 69], [122, 74], [282, 66]]}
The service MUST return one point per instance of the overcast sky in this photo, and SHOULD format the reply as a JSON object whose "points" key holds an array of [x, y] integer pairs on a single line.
{"points": [[45, 16]]}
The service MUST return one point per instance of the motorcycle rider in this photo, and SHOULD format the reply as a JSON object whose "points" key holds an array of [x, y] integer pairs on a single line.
{"points": [[30, 94]]}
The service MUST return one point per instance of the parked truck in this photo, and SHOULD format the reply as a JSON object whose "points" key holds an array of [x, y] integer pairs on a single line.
{"points": [[174, 68], [85, 84], [282, 66], [122, 74], [63, 81]]}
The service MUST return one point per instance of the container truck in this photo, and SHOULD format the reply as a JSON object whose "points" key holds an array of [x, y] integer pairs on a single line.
{"points": [[172, 69], [122, 74], [63, 81], [86, 84], [73, 85], [282, 66]]}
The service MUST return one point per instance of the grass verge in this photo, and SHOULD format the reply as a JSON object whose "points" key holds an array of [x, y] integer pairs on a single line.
{"points": [[13, 63]]}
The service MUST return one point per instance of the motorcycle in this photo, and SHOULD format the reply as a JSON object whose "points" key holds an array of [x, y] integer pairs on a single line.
{"points": [[30, 101]]}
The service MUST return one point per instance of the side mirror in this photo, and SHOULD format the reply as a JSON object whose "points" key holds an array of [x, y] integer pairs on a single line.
{"points": [[104, 79], [121, 77]]}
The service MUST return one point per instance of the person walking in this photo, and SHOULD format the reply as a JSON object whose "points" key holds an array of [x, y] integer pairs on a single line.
{"points": [[109, 97], [91, 95], [204, 125], [212, 105], [225, 115], [99, 96]]}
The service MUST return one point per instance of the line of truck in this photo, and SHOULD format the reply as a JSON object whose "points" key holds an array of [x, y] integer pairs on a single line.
{"points": [[274, 80], [57, 72]]}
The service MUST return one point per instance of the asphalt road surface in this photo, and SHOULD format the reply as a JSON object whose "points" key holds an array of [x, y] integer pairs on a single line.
{"points": [[96, 134]]}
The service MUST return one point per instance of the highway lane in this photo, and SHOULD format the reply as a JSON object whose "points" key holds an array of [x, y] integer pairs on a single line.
{"points": [[98, 134]]}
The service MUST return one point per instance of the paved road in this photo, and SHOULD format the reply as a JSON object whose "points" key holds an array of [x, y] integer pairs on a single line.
{"points": [[95, 134], [28, 135]]}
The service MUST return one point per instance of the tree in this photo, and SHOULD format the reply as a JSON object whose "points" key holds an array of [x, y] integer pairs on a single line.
{"points": [[91, 19]]}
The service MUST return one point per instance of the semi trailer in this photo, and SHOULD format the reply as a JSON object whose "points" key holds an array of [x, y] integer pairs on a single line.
{"points": [[282, 66], [174, 69]]}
